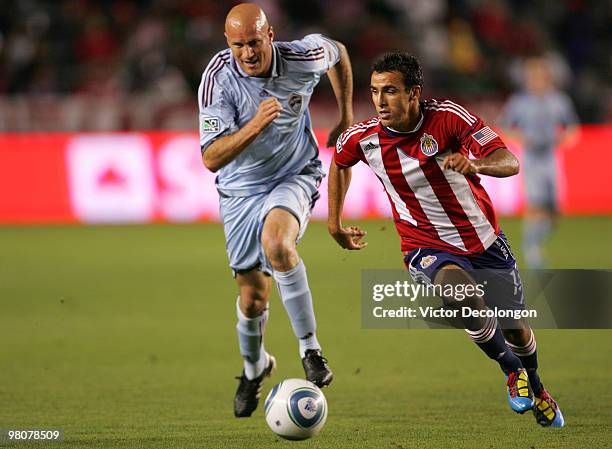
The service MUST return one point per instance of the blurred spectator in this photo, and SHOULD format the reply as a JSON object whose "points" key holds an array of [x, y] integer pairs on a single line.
{"points": [[145, 57]]}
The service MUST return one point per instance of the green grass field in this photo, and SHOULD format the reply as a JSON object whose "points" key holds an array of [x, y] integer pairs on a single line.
{"points": [[124, 336]]}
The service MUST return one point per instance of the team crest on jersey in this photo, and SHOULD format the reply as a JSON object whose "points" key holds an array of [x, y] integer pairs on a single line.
{"points": [[427, 260], [295, 103], [210, 124], [429, 146]]}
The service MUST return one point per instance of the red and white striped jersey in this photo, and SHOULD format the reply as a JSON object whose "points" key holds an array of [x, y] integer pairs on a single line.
{"points": [[432, 207]]}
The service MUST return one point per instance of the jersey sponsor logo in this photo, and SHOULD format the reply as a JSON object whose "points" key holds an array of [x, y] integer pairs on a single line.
{"points": [[429, 146], [484, 135], [427, 261], [210, 124], [370, 146], [295, 103]]}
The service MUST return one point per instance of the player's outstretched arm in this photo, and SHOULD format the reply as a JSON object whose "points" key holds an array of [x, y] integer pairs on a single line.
{"points": [[338, 184], [500, 163], [341, 78], [224, 150]]}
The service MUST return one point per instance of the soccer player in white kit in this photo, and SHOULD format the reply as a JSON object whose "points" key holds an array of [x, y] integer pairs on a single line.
{"points": [[542, 118], [256, 132]]}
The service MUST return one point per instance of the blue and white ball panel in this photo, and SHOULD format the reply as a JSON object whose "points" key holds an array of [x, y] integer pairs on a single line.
{"points": [[270, 398], [305, 407]]}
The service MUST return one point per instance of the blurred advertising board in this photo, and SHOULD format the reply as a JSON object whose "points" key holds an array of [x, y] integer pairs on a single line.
{"points": [[143, 177]]}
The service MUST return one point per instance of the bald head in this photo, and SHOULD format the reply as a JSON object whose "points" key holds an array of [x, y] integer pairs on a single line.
{"points": [[249, 36], [246, 17]]}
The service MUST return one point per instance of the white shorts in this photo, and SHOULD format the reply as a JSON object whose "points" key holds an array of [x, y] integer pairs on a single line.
{"points": [[540, 181], [243, 219]]}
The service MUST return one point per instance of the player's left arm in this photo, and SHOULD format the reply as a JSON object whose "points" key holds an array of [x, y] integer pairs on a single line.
{"points": [[570, 131], [341, 78], [348, 237], [499, 163], [492, 158]]}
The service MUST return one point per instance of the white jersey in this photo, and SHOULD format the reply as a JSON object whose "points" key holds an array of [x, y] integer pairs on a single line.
{"points": [[539, 117], [229, 98]]}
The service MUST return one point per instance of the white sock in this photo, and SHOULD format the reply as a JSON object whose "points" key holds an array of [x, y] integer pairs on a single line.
{"points": [[250, 340], [297, 299]]}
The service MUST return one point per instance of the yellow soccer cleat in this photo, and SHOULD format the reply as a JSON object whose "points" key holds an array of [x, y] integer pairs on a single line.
{"points": [[520, 396], [546, 410]]}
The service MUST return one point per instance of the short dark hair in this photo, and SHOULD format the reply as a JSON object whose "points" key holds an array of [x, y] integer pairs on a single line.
{"points": [[404, 63]]}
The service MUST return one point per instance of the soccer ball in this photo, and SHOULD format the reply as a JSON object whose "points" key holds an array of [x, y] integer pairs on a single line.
{"points": [[295, 409]]}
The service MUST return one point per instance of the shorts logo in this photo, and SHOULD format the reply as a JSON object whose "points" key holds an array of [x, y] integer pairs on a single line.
{"points": [[429, 146], [295, 103], [210, 125], [427, 261], [339, 145]]}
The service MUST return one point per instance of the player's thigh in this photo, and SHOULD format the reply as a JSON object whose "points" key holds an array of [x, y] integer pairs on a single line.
{"points": [[254, 288], [424, 263], [437, 267], [281, 228], [287, 209], [241, 224], [496, 269]]}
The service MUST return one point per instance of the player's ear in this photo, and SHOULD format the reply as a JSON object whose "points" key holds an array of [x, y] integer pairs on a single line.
{"points": [[271, 33], [415, 92]]}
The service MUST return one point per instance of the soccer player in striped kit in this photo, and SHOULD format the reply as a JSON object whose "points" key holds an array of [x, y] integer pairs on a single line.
{"points": [[419, 151], [256, 132]]}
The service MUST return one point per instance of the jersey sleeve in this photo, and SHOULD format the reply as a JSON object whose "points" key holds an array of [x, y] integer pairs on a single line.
{"points": [[347, 151], [217, 110], [568, 113], [315, 53], [511, 113], [472, 133]]}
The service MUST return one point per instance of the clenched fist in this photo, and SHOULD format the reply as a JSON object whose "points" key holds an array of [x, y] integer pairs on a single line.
{"points": [[267, 111], [460, 163]]}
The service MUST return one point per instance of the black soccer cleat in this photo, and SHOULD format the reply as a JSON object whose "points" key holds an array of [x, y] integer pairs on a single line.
{"points": [[316, 369], [249, 391]]}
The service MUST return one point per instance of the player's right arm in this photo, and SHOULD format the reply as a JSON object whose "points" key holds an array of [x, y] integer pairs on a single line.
{"points": [[227, 148], [338, 183]]}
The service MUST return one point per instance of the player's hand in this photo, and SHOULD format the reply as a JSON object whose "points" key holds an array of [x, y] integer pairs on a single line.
{"points": [[349, 238], [460, 163], [268, 110], [336, 131]]}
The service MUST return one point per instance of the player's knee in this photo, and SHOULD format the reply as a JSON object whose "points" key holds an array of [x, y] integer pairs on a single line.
{"points": [[519, 336], [280, 252]]}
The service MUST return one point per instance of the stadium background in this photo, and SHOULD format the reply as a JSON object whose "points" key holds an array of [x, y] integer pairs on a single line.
{"points": [[124, 335]]}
